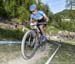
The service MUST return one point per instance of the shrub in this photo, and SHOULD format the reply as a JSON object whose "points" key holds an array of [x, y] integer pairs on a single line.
{"points": [[11, 34]]}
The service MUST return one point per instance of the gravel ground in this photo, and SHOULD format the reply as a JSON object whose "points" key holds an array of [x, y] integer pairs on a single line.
{"points": [[11, 54]]}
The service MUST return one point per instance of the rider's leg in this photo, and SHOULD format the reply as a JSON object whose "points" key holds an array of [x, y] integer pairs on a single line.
{"points": [[42, 30]]}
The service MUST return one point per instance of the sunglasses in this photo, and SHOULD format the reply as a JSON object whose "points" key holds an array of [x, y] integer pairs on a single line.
{"points": [[33, 11]]}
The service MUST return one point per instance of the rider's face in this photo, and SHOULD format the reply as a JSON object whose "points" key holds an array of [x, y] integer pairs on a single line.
{"points": [[34, 11]]}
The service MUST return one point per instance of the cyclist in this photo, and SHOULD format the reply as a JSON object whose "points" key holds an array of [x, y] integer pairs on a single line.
{"points": [[40, 17]]}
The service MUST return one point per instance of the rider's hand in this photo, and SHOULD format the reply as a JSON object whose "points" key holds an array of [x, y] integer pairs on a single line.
{"points": [[34, 23], [31, 24]]}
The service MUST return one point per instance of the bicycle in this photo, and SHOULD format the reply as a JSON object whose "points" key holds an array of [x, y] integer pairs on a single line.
{"points": [[29, 41]]}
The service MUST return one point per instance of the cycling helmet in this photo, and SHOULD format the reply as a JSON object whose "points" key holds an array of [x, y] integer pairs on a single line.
{"points": [[32, 7]]}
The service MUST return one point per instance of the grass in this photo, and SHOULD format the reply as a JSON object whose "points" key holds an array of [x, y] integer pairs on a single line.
{"points": [[9, 47], [65, 55], [6, 34], [9, 52], [50, 27], [71, 42]]}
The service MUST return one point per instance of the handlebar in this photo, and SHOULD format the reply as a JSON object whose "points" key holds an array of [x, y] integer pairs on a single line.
{"points": [[42, 23], [38, 23]]}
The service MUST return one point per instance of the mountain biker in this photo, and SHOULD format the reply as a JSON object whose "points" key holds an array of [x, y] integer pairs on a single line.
{"points": [[39, 17]]}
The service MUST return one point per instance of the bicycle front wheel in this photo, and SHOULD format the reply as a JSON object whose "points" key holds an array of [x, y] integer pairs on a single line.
{"points": [[28, 48]]}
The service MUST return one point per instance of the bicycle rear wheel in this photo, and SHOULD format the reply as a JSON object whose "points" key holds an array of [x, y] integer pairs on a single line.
{"points": [[28, 48]]}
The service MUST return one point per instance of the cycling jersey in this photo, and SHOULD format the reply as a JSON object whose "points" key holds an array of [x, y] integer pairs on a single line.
{"points": [[39, 15]]}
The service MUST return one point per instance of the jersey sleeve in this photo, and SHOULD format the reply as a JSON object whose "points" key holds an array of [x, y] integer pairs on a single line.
{"points": [[42, 13]]}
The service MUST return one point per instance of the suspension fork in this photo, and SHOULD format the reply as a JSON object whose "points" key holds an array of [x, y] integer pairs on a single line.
{"points": [[36, 35]]}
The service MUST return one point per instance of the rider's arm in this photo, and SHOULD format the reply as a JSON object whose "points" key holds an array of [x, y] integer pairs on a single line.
{"points": [[32, 21], [31, 18], [45, 16]]}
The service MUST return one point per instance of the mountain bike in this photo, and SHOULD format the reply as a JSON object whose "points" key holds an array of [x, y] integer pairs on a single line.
{"points": [[30, 40]]}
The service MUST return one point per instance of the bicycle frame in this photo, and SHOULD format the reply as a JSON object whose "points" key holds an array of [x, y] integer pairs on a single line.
{"points": [[36, 39], [35, 28]]}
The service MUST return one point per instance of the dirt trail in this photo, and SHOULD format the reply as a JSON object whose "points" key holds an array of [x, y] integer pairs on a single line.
{"points": [[19, 60]]}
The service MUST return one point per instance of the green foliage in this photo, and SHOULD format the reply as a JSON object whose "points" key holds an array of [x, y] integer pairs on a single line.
{"points": [[22, 13], [20, 8], [67, 14], [63, 24], [70, 26], [70, 4], [11, 34]]}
